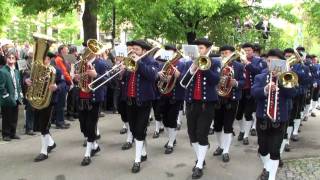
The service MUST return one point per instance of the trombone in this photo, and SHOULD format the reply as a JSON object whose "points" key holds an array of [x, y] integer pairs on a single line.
{"points": [[130, 64], [203, 63]]}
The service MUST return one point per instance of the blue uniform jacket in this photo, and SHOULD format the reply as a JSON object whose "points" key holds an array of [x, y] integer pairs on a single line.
{"points": [[284, 97], [304, 77], [210, 79]]}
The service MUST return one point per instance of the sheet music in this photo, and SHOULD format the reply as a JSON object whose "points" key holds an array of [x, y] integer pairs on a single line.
{"points": [[278, 66], [166, 55], [22, 64], [191, 51], [121, 51]]}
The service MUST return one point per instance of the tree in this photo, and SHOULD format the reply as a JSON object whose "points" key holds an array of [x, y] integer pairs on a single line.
{"points": [[4, 14]]}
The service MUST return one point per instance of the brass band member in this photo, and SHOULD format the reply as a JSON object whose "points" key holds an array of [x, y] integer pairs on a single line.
{"points": [[271, 131], [201, 98], [232, 82], [139, 93], [171, 101]]}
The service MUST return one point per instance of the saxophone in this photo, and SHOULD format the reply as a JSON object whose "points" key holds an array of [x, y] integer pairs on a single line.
{"points": [[39, 95]]}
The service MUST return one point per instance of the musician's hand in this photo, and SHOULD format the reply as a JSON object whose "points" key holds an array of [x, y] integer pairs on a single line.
{"points": [[76, 77], [53, 87], [194, 68], [161, 75], [268, 86], [315, 85], [176, 72], [92, 73], [28, 82], [234, 83]]}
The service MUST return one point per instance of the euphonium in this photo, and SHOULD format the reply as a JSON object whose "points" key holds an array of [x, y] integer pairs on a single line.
{"points": [[93, 48], [166, 86], [227, 74], [42, 76]]}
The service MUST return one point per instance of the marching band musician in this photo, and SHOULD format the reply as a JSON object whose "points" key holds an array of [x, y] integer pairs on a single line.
{"points": [[89, 106], [170, 103], [315, 94], [253, 66], [42, 117], [201, 98], [270, 132], [139, 93], [227, 109]]}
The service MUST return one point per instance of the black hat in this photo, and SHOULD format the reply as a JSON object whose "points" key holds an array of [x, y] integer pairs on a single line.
{"points": [[72, 49], [203, 41], [256, 47], [288, 50], [170, 47], [129, 43], [51, 55], [247, 45], [300, 48], [227, 47], [84, 44], [143, 44], [275, 52]]}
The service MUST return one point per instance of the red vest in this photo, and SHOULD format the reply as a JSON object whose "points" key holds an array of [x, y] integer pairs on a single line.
{"points": [[197, 93], [132, 92]]}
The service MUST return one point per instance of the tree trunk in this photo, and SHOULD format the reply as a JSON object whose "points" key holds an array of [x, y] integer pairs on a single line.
{"points": [[89, 20], [191, 36]]}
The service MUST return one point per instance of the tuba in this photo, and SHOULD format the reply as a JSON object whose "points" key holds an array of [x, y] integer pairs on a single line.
{"points": [[94, 48], [166, 86], [227, 74], [42, 76]]}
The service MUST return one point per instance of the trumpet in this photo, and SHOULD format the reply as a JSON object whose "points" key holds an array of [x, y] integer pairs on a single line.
{"points": [[130, 64], [203, 63]]}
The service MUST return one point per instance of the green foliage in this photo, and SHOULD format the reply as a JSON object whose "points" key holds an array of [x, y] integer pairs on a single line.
{"points": [[312, 9], [4, 14]]}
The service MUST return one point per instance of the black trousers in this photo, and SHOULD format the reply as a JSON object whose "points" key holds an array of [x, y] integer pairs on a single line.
{"points": [[88, 117], [122, 109], [42, 119], [156, 110], [270, 136], [225, 114], [308, 96], [297, 107], [315, 94], [247, 106], [199, 118], [138, 117], [9, 120], [169, 110]]}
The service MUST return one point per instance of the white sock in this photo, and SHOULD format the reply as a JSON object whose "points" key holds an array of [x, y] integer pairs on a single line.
{"points": [[88, 149], [241, 125], [247, 126], [226, 141], [97, 131], [306, 110], [265, 160], [179, 117], [284, 142], [254, 121], [202, 155], [139, 147], [95, 145], [129, 136], [49, 140], [296, 125], [161, 125], [144, 150], [289, 132], [158, 126], [211, 125], [196, 149], [44, 145], [313, 106], [172, 136], [218, 135], [272, 168]]}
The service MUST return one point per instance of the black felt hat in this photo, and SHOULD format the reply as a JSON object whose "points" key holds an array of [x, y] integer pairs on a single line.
{"points": [[203, 41], [143, 44]]}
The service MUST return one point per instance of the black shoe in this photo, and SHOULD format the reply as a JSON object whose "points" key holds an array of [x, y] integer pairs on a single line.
{"points": [[280, 163], [30, 133], [15, 137], [95, 151], [313, 114], [240, 137], [84, 143], [245, 141], [168, 150], [294, 137], [126, 146], [67, 124], [63, 126], [50, 148], [70, 118], [264, 175], [41, 157], [178, 127], [144, 158], [156, 135], [150, 119], [86, 161], [123, 131], [287, 148], [218, 151], [98, 137], [75, 116], [6, 138], [174, 144], [161, 130], [225, 157], [253, 132], [211, 131], [135, 167], [194, 167], [197, 173], [305, 118], [101, 115]]}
